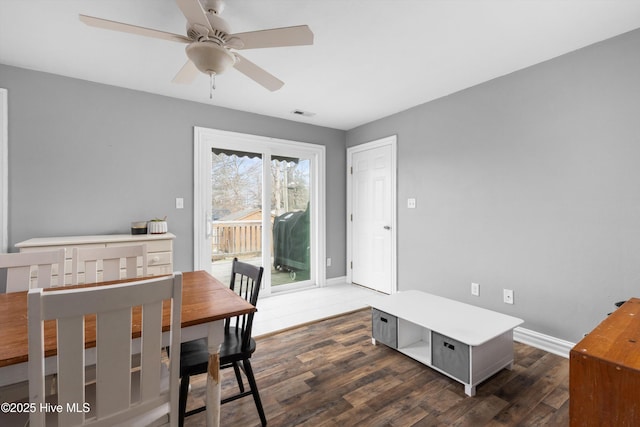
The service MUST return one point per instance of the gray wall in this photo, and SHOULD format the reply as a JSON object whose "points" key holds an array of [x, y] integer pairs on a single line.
{"points": [[529, 182], [87, 158]]}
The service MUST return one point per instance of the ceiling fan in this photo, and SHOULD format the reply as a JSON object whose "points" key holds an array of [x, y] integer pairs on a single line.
{"points": [[211, 47]]}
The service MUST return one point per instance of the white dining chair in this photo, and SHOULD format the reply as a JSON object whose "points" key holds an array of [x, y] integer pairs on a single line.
{"points": [[104, 264], [120, 395], [21, 266]]}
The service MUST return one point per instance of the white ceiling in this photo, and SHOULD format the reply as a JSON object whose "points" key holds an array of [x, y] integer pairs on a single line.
{"points": [[370, 59]]}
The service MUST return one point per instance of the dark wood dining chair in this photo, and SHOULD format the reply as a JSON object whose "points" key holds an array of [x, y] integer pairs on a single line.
{"points": [[237, 348]]}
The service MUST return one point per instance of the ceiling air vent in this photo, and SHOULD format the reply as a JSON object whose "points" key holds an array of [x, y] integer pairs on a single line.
{"points": [[303, 113]]}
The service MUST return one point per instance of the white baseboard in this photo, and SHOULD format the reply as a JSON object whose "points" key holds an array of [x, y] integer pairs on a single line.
{"points": [[543, 342], [336, 281]]}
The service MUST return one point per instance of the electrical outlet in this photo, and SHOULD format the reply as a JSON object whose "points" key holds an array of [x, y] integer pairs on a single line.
{"points": [[475, 289], [328, 262], [507, 295], [411, 203]]}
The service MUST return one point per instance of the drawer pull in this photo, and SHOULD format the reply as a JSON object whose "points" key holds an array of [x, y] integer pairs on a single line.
{"points": [[382, 319], [449, 346]]}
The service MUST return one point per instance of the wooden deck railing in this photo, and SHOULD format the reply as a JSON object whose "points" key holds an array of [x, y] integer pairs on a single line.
{"points": [[234, 238]]}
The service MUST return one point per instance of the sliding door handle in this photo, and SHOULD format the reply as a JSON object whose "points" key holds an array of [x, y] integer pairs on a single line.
{"points": [[208, 226]]}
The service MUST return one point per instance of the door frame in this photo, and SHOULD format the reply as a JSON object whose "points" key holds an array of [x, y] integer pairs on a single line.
{"points": [[204, 139], [4, 170], [387, 141]]}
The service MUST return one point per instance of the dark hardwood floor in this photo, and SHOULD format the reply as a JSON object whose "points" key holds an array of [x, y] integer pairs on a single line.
{"points": [[329, 374]]}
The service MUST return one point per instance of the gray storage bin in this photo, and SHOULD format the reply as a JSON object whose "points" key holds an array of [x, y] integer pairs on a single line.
{"points": [[384, 328], [451, 356]]}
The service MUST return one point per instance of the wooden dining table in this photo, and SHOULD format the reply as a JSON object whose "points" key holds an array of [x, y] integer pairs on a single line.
{"points": [[206, 303]]}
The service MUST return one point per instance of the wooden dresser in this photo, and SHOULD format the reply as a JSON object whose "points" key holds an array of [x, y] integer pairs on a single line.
{"points": [[159, 248], [604, 378]]}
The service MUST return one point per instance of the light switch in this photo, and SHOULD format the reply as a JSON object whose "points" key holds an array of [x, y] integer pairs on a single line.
{"points": [[411, 203], [179, 203]]}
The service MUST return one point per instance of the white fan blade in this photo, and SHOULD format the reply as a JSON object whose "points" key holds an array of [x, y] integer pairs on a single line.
{"points": [[132, 29], [193, 11], [257, 74], [300, 35], [187, 73]]}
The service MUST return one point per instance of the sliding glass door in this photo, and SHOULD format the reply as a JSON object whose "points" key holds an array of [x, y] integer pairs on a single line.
{"points": [[291, 226], [236, 210], [259, 200]]}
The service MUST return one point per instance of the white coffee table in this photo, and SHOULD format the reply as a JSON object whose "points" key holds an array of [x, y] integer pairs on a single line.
{"points": [[464, 342]]}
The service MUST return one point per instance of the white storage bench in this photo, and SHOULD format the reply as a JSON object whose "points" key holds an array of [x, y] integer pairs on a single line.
{"points": [[465, 342]]}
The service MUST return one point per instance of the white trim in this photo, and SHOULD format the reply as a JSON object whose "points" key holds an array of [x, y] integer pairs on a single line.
{"points": [[4, 170], [544, 342], [391, 141], [201, 214], [341, 280], [205, 139]]}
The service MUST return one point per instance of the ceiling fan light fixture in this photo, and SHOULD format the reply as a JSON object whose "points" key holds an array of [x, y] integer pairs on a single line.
{"points": [[210, 58], [209, 42], [217, 23]]}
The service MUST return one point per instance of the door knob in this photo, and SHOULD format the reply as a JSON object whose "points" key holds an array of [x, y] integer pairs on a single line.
{"points": [[386, 227]]}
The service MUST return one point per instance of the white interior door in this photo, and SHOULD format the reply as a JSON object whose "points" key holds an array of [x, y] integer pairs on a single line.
{"points": [[372, 218]]}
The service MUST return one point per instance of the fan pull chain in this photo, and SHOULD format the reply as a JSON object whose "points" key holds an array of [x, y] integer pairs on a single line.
{"points": [[212, 81]]}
